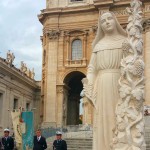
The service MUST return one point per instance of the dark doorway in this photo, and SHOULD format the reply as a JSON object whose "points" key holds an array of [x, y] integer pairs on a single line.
{"points": [[73, 81]]}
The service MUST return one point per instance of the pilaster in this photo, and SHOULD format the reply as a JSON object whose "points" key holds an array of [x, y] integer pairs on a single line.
{"points": [[147, 60], [50, 95]]}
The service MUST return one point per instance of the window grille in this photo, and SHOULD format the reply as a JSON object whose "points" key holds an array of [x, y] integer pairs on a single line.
{"points": [[77, 49]]}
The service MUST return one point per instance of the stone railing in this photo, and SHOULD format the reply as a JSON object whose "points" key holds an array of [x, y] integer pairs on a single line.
{"points": [[76, 63]]}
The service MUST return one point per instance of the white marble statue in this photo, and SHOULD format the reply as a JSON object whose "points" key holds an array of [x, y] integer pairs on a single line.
{"points": [[10, 57], [32, 73], [23, 67], [101, 84]]}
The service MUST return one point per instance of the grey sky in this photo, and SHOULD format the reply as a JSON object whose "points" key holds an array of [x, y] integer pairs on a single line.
{"points": [[20, 32]]}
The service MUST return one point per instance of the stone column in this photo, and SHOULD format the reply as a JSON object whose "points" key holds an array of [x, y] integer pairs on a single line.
{"points": [[147, 60], [51, 76]]}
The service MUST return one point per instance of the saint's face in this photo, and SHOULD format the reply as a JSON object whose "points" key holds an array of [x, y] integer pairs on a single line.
{"points": [[108, 23]]}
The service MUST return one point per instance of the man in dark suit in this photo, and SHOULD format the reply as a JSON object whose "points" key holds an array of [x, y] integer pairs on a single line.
{"points": [[59, 144], [39, 141], [7, 141]]}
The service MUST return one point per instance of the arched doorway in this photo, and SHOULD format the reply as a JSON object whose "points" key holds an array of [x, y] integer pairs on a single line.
{"points": [[73, 81]]}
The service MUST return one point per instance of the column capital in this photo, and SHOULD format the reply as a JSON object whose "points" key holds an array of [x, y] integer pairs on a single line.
{"points": [[146, 25], [53, 34]]}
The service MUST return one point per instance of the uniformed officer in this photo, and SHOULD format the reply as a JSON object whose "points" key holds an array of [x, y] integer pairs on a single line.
{"points": [[59, 144], [7, 141]]}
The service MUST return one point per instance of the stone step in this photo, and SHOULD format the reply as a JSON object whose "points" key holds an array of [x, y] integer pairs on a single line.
{"points": [[86, 143], [79, 143]]}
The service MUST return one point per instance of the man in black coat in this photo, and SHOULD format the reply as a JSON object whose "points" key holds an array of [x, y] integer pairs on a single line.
{"points": [[7, 141], [39, 141], [59, 144]]}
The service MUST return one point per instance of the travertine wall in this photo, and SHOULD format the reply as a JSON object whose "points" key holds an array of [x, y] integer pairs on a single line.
{"points": [[62, 23]]}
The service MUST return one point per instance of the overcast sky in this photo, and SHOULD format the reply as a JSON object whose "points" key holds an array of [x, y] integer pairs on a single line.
{"points": [[20, 32]]}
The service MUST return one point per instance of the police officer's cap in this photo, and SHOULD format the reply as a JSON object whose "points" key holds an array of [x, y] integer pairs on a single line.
{"points": [[6, 130], [58, 133]]}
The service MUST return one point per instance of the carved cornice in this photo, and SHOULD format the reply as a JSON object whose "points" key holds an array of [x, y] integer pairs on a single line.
{"points": [[146, 25]]}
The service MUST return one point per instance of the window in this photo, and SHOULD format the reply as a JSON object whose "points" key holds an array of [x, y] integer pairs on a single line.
{"points": [[15, 106], [77, 50], [27, 106]]}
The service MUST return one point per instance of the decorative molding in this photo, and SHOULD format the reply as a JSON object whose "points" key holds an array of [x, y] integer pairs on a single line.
{"points": [[75, 33], [53, 34], [69, 36]]}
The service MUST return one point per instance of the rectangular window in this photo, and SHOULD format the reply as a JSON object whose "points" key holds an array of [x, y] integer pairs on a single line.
{"points": [[15, 106], [27, 106], [1, 107]]}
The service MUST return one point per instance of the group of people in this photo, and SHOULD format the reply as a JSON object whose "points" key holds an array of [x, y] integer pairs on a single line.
{"points": [[39, 142]]}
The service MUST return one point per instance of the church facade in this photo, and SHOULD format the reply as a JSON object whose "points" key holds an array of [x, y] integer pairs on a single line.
{"points": [[69, 27]]}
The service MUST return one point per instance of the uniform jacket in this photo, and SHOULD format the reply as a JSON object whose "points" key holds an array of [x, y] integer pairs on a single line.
{"points": [[59, 145], [39, 145], [8, 143]]}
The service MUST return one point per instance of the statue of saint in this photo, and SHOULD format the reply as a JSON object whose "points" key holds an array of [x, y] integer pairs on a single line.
{"points": [[23, 67], [32, 73], [10, 57], [101, 85]]}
